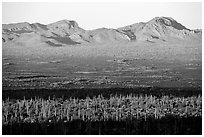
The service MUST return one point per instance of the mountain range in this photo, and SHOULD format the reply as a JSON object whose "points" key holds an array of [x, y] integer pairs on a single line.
{"points": [[68, 32]]}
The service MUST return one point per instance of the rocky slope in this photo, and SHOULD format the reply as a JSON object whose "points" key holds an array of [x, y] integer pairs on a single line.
{"points": [[160, 28], [66, 32]]}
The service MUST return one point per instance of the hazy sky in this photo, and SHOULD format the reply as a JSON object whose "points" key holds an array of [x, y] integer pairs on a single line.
{"points": [[96, 15]]}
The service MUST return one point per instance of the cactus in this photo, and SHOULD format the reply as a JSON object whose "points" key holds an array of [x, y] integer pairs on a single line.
{"points": [[117, 108]]}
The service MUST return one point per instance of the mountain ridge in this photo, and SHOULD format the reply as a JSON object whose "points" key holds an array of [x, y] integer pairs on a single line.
{"points": [[67, 32]]}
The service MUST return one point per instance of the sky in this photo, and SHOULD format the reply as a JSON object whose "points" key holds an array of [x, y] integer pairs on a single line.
{"points": [[90, 15]]}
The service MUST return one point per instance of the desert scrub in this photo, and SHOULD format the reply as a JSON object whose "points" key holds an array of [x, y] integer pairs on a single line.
{"points": [[116, 108]]}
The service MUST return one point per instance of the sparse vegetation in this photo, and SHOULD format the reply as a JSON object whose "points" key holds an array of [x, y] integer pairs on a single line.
{"points": [[99, 109]]}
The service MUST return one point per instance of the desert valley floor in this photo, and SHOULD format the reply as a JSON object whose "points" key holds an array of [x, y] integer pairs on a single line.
{"points": [[126, 65]]}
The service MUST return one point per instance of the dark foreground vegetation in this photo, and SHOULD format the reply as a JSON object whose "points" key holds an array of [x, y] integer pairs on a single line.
{"points": [[105, 92], [167, 125], [102, 111]]}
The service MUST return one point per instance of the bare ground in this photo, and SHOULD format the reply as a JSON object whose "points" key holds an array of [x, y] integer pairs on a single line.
{"points": [[135, 64]]}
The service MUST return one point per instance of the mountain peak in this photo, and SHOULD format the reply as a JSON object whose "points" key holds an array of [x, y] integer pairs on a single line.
{"points": [[168, 21], [65, 22], [163, 18], [14, 26]]}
